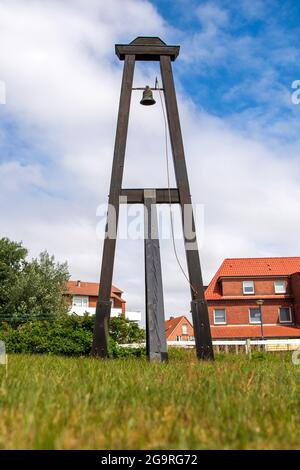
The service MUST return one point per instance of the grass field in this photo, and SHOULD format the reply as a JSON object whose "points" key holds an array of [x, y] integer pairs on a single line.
{"points": [[81, 403]]}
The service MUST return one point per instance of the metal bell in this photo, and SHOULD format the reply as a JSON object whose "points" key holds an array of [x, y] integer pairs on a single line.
{"points": [[147, 99]]}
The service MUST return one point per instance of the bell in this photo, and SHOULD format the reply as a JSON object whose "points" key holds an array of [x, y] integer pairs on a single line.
{"points": [[147, 99]]}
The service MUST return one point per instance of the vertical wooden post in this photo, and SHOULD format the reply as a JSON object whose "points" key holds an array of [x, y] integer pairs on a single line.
{"points": [[100, 340], [198, 305], [155, 318]]}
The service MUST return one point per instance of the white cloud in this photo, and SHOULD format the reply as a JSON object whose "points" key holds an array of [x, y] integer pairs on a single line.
{"points": [[63, 84], [15, 177], [211, 16]]}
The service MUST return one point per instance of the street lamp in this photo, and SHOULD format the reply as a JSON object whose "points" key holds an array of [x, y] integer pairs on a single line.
{"points": [[259, 303]]}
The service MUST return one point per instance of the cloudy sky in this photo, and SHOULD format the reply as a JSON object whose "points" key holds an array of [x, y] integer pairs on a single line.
{"points": [[241, 129]]}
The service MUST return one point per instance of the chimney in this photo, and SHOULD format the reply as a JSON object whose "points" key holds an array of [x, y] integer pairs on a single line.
{"points": [[171, 318], [78, 283]]}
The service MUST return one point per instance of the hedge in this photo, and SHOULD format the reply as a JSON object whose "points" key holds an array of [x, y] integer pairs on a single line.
{"points": [[68, 335]]}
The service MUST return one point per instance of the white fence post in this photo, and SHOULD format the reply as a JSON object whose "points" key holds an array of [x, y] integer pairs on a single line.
{"points": [[248, 347], [3, 356]]}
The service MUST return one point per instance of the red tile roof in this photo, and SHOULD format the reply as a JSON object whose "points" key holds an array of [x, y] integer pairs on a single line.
{"points": [[260, 266], [251, 267], [173, 322], [89, 288], [254, 331]]}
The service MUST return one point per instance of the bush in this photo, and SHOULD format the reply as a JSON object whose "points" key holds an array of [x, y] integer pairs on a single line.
{"points": [[69, 335]]}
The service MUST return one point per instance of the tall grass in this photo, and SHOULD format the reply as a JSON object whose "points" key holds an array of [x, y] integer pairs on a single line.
{"points": [[51, 402]]}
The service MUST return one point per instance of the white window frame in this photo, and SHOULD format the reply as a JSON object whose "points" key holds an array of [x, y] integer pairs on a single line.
{"points": [[178, 338], [256, 322], [81, 297], [248, 293], [287, 321], [185, 329], [220, 322], [283, 291]]}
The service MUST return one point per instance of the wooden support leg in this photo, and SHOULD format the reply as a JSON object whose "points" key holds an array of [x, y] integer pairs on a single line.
{"points": [[198, 306], [155, 318], [100, 340]]}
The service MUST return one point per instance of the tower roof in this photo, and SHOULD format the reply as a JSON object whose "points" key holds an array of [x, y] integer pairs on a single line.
{"points": [[147, 48]]}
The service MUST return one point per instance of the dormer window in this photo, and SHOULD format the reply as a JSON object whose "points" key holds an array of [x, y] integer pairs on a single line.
{"points": [[280, 287], [248, 287]]}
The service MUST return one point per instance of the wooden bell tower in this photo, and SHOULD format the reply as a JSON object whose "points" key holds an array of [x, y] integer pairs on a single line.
{"points": [[151, 49]]}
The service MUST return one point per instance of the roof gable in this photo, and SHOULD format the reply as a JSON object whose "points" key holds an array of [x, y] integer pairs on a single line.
{"points": [[173, 323]]}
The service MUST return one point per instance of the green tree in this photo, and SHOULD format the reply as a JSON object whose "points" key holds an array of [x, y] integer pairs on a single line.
{"points": [[42, 288], [125, 331], [12, 263], [30, 290]]}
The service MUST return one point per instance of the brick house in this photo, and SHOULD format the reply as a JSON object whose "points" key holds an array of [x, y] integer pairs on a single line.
{"points": [[239, 285], [83, 298], [179, 329]]}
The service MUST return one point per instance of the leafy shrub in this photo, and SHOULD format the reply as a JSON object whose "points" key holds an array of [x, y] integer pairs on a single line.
{"points": [[69, 335]]}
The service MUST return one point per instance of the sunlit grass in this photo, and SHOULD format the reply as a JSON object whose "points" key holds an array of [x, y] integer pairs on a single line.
{"points": [[50, 402]]}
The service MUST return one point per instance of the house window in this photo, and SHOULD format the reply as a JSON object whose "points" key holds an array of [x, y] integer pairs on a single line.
{"points": [[280, 287], [184, 329], [285, 315], [178, 338], [220, 316], [191, 338], [80, 301], [248, 287], [255, 315]]}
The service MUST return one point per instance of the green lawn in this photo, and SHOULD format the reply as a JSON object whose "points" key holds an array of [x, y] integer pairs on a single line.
{"points": [[50, 402]]}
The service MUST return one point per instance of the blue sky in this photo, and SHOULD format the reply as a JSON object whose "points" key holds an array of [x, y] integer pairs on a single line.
{"points": [[241, 130], [257, 42]]}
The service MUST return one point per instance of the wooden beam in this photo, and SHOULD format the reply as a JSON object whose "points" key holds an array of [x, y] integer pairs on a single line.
{"points": [[155, 317], [198, 305], [100, 339], [146, 52], [136, 196]]}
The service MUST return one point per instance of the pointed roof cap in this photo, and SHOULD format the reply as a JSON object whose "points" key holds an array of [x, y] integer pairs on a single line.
{"points": [[147, 48]]}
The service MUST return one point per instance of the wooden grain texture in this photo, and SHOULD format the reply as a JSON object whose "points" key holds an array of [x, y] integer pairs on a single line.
{"points": [[136, 196], [155, 317], [100, 340], [199, 306], [147, 52]]}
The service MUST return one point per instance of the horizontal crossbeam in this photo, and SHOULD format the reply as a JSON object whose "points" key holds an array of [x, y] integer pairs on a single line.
{"points": [[136, 196], [146, 52]]}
